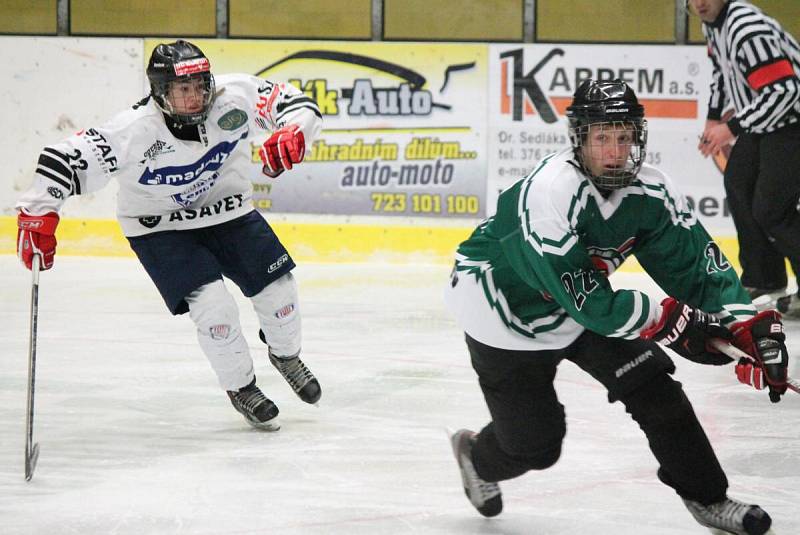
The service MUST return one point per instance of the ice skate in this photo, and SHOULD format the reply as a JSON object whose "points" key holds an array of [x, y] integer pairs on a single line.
{"points": [[296, 373], [789, 306], [485, 496], [256, 408], [299, 377], [764, 299], [731, 516]]}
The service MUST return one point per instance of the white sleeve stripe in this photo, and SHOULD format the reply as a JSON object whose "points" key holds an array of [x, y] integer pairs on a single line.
{"points": [[634, 318]]}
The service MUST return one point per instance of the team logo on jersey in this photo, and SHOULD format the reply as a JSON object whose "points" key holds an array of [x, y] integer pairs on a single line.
{"points": [[180, 175], [232, 120], [186, 198], [159, 147], [608, 259], [150, 221]]}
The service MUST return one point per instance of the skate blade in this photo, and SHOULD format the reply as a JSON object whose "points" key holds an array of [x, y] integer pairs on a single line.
{"points": [[721, 532], [270, 426]]}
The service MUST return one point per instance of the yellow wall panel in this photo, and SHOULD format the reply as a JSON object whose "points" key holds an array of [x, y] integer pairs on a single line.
{"points": [[651, 21], [786, 12], [695, 30], [453, 20], [28, 16], [326, 19], [143, 17]]}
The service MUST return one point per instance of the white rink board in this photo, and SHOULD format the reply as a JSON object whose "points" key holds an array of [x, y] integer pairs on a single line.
{"points": [[51, 87]]}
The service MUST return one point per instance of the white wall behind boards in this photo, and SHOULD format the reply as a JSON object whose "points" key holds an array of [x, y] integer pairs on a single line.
{"points": [[51, 87]]}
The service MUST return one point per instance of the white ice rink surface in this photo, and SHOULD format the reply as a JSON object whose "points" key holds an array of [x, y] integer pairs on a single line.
{"points": [[137, 438]]}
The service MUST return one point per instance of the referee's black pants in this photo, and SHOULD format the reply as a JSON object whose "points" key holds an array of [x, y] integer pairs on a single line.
{"points": [[762, 183], [528, 423]]}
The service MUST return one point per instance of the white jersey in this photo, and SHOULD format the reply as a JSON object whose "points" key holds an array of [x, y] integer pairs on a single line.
{"points": [[167, 183]]}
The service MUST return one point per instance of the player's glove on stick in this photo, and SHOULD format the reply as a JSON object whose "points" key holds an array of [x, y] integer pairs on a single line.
{"points": [[686, 330], [36, 235], [284, 148], [762, 338]]}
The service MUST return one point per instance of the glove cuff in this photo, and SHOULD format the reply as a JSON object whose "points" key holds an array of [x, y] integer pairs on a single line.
{"points": [[668, 304], [41, 224]]}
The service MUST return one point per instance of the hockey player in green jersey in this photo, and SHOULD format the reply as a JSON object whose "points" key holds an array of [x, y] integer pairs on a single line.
{"points": [[530, 288]]}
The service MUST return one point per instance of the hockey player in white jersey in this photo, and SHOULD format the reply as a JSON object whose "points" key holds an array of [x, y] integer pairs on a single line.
{"points": [[530, 288], [180, 157]]}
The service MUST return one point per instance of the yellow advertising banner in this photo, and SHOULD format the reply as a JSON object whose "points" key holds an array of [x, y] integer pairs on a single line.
{"points": [[404, 125]]}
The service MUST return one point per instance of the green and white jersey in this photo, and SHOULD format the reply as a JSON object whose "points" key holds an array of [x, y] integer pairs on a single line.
{"points": [[535, 275]]}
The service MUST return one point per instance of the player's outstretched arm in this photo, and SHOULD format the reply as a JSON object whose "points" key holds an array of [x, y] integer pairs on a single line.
{"points": [[688, 331]]}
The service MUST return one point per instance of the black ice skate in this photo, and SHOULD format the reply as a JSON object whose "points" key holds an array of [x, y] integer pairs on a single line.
{"points": [[297, 374], [731, 516], [485, 496], [789, 306], [299, 377], [256, 408]]}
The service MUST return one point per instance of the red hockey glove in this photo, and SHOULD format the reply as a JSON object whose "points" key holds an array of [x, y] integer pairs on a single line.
{"points": [[36, 235], [284, 148], [762, 338], [686, 330]]}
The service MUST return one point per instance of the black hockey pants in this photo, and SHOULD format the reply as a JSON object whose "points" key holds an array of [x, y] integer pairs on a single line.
{"points": [[528, 423], [762, 182]]}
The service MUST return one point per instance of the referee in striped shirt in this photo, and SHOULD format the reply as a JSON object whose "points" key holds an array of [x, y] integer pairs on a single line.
{"points": [[756, 66]]}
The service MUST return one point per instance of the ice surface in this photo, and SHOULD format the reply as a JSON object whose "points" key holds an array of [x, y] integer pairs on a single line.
{"points": [[137, 438]]}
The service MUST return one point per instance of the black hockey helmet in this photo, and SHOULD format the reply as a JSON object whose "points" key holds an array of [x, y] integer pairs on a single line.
{"points": [[611, 103], [180, 61]]}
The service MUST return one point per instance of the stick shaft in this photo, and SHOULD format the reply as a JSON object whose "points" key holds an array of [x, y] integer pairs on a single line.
{"points": [[31, 449]]}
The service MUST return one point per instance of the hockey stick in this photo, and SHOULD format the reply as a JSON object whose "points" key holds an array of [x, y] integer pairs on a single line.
{"points": [[734, 352], [31, 449]]}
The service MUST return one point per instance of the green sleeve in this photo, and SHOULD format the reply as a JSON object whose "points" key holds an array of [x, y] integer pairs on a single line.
{"points": [[688, 265]]}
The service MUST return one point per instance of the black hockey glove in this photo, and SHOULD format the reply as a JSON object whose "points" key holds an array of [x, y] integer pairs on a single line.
{"points": [[762, 338], [686, 330]]}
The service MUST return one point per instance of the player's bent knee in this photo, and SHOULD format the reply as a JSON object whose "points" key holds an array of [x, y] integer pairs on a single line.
{"points": [[279, 316], [532, 452], [661, 399], [214, 311]]}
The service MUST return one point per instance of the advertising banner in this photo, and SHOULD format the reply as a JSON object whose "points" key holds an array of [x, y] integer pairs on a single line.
{"points": [[403, 125], [530, 87]]}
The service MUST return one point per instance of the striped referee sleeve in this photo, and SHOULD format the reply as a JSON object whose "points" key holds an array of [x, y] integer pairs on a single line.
{"points": [[771, 76]]}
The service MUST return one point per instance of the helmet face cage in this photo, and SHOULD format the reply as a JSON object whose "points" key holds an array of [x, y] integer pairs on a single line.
{"points": [[607, 107], [180, 75], [621, 160], [170, 97]]}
